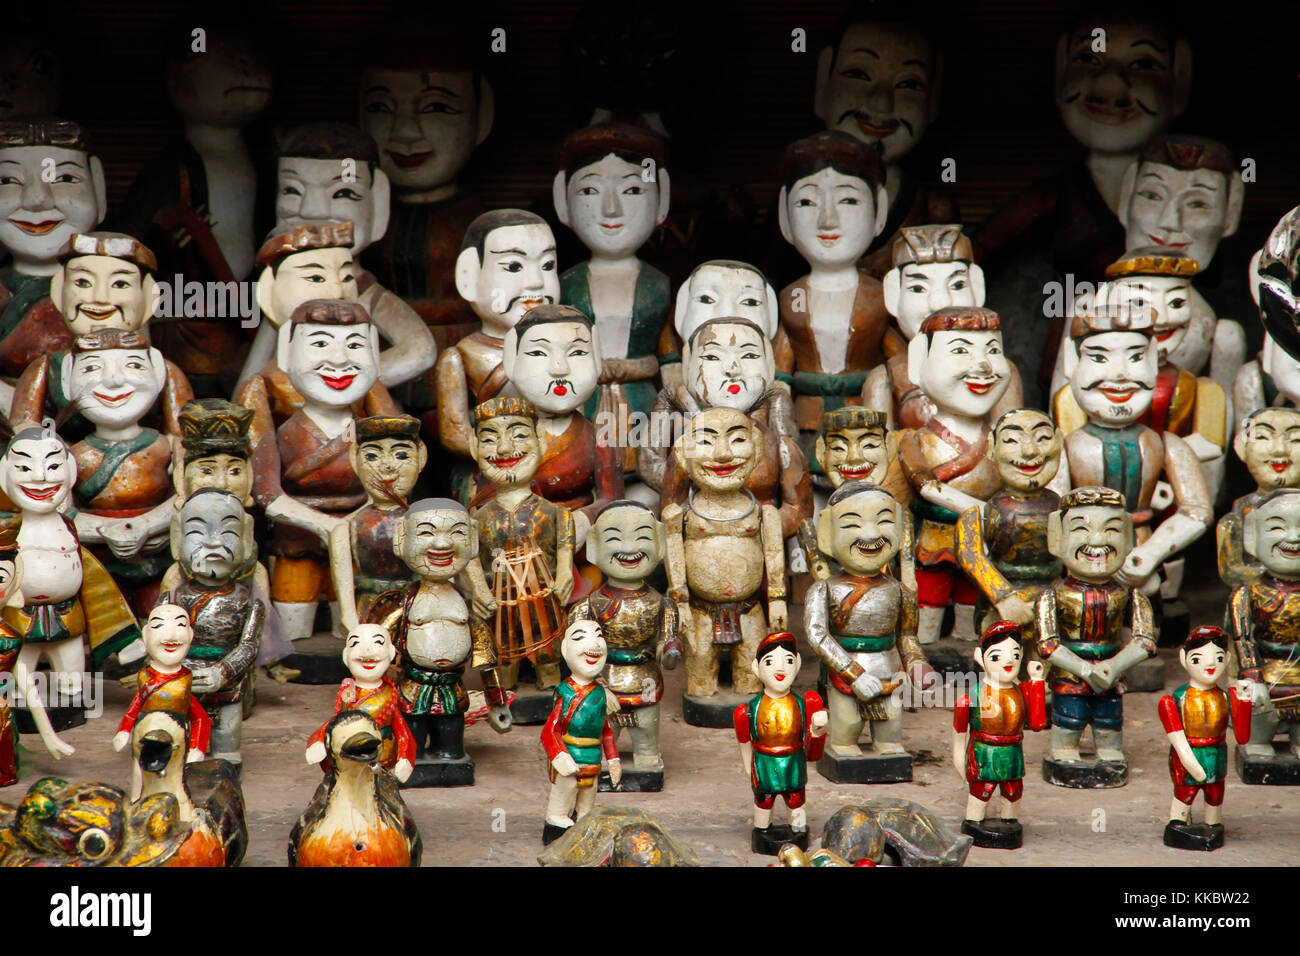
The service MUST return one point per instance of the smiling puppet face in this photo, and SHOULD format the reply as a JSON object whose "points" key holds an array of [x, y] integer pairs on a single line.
{"points": [[1025, 447], [1115, 378], [39, 215], [861, 527], [115, 387], [37, 472], [368, 653], [1269, 444], [1205, 664], [1272, 533], [167, 634], [999, 659], [584, 650], [719, 449], [333, 365], [436, 539], [1092, 540], [964, 371], [626, 542]]}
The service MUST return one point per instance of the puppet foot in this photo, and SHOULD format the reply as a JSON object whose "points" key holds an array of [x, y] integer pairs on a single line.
{"points": [[995, 834], [553, 831], [963, 622]]}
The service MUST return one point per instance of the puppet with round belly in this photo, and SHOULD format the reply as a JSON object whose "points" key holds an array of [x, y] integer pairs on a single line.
{"points": [[861, 621], [552, 358], [957, 359], [728, 364], [1112, 361], [331, 171], [105, 282], [726, 561], [834, 327], [613, 190], [387, 456], [1003, 546], [525, 546], [439, 633], [69, 598], [1083, 620], [1264, 619], [626, 543], [1268, 442], [932, 270]]}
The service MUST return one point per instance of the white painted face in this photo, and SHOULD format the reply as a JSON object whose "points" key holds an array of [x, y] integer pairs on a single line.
{"points": [[853, 454], [729, 366], [625, 543], [1000, 661], [436, 545], [965, 371], [776, 669], [584, 649], [507, 449], [314, 190], [518, 272], [924, 288], [115, 388], [368, 652], [1269, 444], [167, 635], [1118, 99], [311, 274], [425, 123], [880, 86], [38, 217], [555, 366], [1272, 535], [38, 474], [228, 86], [1184, 209], [104, 292], [831, 217], [715, 292], [611, 208], [865, 533], [719, 450], [1170, 296], [1115, 377], [333, 365], [1205, 664], [1095, 540]]}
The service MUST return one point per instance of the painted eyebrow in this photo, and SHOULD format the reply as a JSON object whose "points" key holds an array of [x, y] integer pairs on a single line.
{"points": [[73, 163], [541, 340], [738, 428], [440, 89], [502, 252], [636, 175], [1009, 427], [1151, 43], [869, 52], [959, 342], [309, 265]]}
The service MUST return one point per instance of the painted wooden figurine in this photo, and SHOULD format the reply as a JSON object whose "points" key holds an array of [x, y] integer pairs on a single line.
{"points": [[552, 358], [933, 269], [1270, 380], [779, 731], [69, 598], [387, 455], [723, 547], [861, 621], [1264, 618], [1268, 442], [1196, 718], [439, 634], [1002, 547], [1082, 621], [357, 816], [834, 327], [368, 654], [718, 289], [988, 729], [727, 363], [37, 222], [958, 361], [640, 625], [506, 267], [613, 190], [164, 684], [578, 732], [526, 543], [212, 543], [11, 642]]}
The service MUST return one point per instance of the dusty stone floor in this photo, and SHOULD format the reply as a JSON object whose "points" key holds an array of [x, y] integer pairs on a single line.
{"points": [[707, 800]]}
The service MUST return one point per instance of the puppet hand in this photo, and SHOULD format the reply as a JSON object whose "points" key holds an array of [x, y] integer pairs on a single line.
{"points": [[615, 771], [121, 739], [776, 614], [564, 764], [316, 752], [500, 719], [1035, 670], [402, 770], [867, 686], [819, 721]]}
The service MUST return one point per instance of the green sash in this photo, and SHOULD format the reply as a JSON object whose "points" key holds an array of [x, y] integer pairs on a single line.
{"points": [[114, 453], [24, 292], [854, 643], [1121, 457]]}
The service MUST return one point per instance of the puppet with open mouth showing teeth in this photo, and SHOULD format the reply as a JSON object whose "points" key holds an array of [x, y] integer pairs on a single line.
{"points": [[862, 622], [958, 361], [1082, 621], [1112, 363], [1268, 442], [1003, 547], [627, 542], [1264, 618]]}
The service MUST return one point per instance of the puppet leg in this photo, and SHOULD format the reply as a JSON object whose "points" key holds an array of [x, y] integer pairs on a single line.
{"points": [[846, 724], [753, 628], [645, 738], [68, 661], [560, 804], [701, 656], [586, 800], [887, 735]]}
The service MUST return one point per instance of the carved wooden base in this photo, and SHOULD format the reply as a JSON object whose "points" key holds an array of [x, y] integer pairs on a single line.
{"points": [[715, 711], [1147, 675], [632, 781], [995, 834], [61, 718], [769, 840], [441, 772], [531, 706], [551, 833], [1085, 774], [1280, 770], [1193, 836], [868, 768]]}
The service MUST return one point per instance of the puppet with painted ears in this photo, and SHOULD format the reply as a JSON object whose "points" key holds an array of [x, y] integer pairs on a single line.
{"points": [[862, 622], [578, 732], [105, 280], [957, 360], [720, 288], [552, 358], [330, 172]]}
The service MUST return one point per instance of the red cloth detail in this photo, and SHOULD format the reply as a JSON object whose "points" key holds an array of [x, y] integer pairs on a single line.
{"points": [[961, 715], [815, 746], [551, 732], [1035, 695], [740, 720], [936, 584], [1240, 716], [1170, 716]]}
